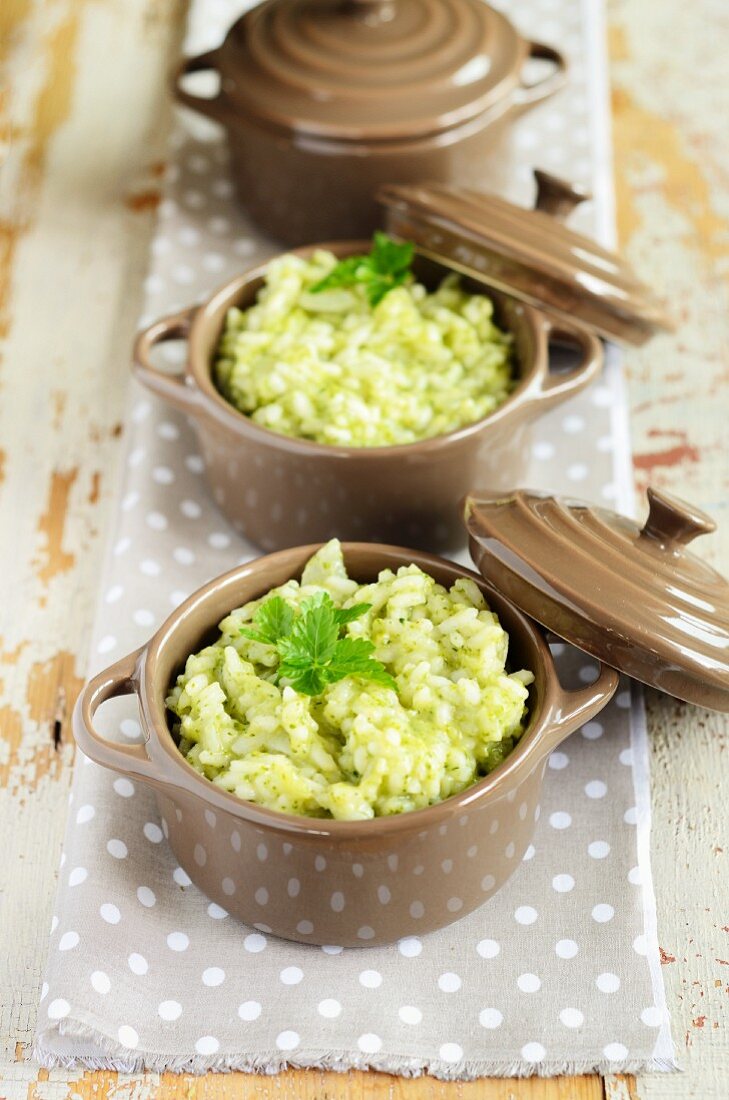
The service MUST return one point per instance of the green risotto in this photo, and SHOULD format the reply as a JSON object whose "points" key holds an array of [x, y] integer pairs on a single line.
{"points": [[343, 366], [406, 701]]}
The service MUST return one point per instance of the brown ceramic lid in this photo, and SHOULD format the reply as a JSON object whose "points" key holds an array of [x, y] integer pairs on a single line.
{"points": [[528, 253], [371, 69], [634, 597]]}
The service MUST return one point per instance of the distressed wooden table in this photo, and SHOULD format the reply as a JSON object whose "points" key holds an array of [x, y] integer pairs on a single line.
{"points": [[83, 113]]}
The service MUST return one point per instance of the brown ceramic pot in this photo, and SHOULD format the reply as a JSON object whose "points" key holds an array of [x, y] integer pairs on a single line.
{"points": [[279, 491], [335, 882], [325, 100]]}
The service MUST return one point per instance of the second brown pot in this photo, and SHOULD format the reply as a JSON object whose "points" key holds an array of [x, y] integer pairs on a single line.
{"points": [[280, 492]]}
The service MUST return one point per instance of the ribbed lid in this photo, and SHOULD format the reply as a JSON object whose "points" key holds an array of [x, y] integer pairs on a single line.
{"points": [[634, 597], [369, 69], [530, 254]]}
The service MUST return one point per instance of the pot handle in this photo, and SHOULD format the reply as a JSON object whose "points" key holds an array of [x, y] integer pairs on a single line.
{"points": [[118, 679], [574, 708], [210, 106], [557, 387], [170, 387], [527, 94]]}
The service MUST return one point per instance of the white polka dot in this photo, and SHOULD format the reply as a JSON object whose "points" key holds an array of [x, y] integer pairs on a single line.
{"points": [[195, 464], [143, 617], [129, 501], [543, 450], [490, 1018], [410, 947], [178, 941], [410, 1015], [529, 854], [146, 896], [77, 876], [451, 1052], [365, 932], [487, 883], [287, 1040], [157, 521], [602, 397], [528, 983], [219, 540], [488, 949], [598, 849], [626, 758], [262, 853], [138, 964], [417, 910], [563, 883], [169, 1010], [630, 817], [85, 814], [622, 699], [652, 1017], [369, 1043], [596, 789], [578, 471], [167, 430], [254, 942], [615, 1052], [117, 848], [124, 787], [588, 674], [449, 982], [558, 760], [109, 913], [213, 976], [592, 730], [305, 927], [58, 1009], [150, 568], [370, 979], [153, 832], [640, 945], [183, 555], [560, 819], [634, 876], [603, 913], [566, 949], [216, 911], [128, 1037], [572, 1017], [329, 1008], [607, 983], [261, 895], [68, 941], [100, 982], [331, 949], [228, 886], [115, 593], [454, 905], [533, 1052], [249, 1010], [573, 424], [181, 877], [207, 1044], [525, 914], [291, 975], [383, 895], [54, 923], [337, 902]]}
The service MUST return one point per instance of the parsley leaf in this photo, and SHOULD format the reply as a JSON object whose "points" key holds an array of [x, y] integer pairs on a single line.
{"points": [[312, 653], [271, 622], [385, 267]]}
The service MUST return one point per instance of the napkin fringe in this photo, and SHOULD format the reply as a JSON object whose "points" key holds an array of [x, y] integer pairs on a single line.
{"points": [[110, 1057]]}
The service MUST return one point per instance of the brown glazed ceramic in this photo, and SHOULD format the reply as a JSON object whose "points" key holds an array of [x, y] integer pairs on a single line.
{"points": [[324, 100], [632, 596], [336, 882], [528, 253], [280, 491]]}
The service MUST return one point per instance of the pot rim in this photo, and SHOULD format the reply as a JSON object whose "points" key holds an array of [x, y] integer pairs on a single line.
{"points": [[199, 393], [555, 712]]}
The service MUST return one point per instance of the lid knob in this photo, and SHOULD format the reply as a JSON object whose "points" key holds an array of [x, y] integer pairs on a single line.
{"points": [[671, 520], [557, 197]]}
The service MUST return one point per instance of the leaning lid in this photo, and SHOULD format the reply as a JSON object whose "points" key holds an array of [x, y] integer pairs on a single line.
{"points": [[530, 254], [375, 69], [634, 597]]}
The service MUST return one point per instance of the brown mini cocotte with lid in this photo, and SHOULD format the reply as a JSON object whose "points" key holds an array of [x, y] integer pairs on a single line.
{"points": [[633, 596], [324, 100]]}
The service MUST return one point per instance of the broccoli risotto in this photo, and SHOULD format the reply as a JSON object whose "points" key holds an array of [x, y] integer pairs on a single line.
{"points": [[330, 698], [371, 362]]}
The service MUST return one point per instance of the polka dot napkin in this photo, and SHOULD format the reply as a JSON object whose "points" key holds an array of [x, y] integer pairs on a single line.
{"points": [[559, 972]]}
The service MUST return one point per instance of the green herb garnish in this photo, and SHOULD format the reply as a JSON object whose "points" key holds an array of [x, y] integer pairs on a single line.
{"points": [[385, 267], [311, 650]]}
